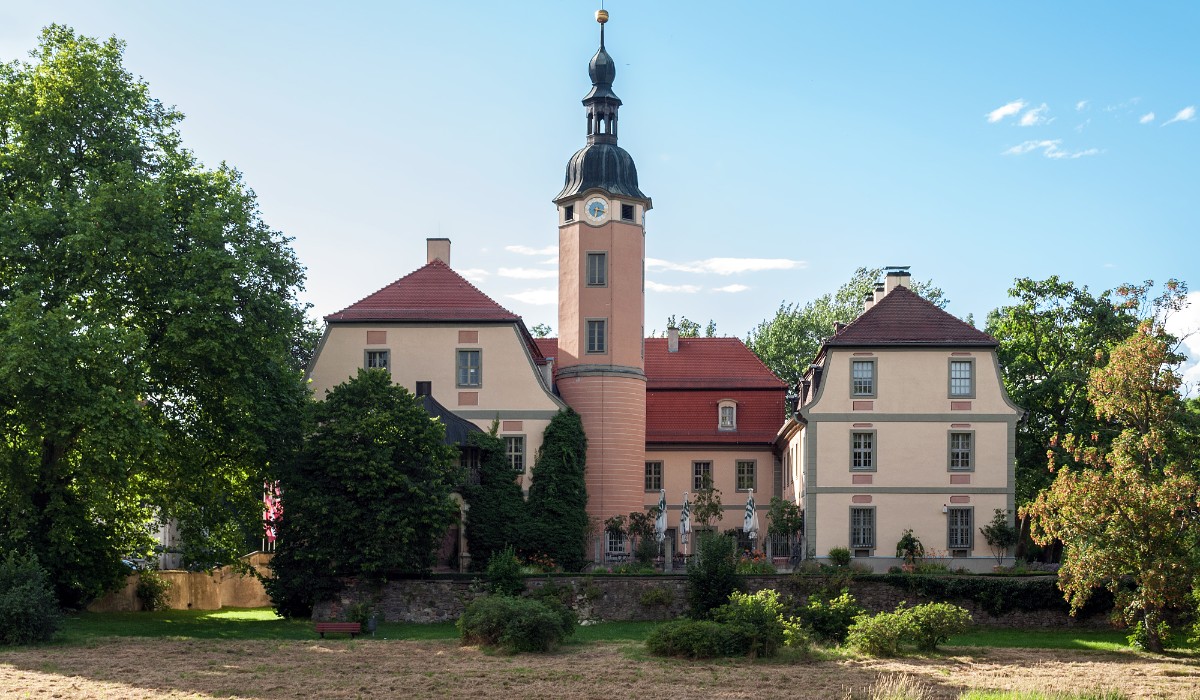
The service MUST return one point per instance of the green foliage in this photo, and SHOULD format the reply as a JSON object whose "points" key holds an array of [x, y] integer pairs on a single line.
{"points": [[28, 610], [996, 595], [711, 574], [839, 556], [924, 627], [688, 328], [785, 519], [152, 590], [700, 639], [788, 342], [558, 520], [754, 563], [706, 506], [879, 634], [1140, 637], [1000, 535], [657, 597], [497, 515], [935, 623], [503, 574], [909, 548], [760, 612], [360, 613], [829, 617], [369, 494], [149, 320], [516, 624]]}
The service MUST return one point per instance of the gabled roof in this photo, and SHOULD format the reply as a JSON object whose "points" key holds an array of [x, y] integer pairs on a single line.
{"points": [[675, 416], [904, 318], [431, 293], [706, 363]]}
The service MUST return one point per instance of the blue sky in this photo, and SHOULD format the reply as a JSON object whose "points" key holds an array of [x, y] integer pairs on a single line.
{"points": [[784, 144]]}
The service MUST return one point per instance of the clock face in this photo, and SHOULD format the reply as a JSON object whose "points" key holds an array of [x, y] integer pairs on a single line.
{"points": [[596, 209]]}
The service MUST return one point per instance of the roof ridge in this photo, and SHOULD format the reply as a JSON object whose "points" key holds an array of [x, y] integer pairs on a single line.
{"points": [[407, 292]]}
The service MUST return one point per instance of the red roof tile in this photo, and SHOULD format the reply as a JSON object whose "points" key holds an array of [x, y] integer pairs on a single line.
{"points": [[431, 293], [547, 346], [903, 317], [689, 416], [707, 363]]}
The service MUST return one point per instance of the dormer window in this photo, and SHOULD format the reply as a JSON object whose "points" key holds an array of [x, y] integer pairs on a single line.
{"points": [[727, 415]]}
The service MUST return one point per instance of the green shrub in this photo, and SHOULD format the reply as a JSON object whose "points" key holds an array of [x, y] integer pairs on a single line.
{"points": [[711, 574], [934, 623], [700, 639], [762, 613], [909, 548], [879, 634], [647, 549], [503, 573], [28, 609], [830, 617], [516, 624], [658, 597], [795, 634], [152, 590], [839, 556]]}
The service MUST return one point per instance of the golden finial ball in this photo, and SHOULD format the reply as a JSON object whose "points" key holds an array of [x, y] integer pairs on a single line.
{"points": [[601, 16]]}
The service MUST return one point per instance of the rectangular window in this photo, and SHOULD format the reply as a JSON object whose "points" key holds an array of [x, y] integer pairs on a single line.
{"points": [[627, 212], [862, 378], [653, 476], [469, 370], [701, 475], [746, 475], [378, 359], [614, 546], [597, 336], [569, 213], [958, 523], [962, 379], [514, 446], [728, 419], [862, 450], [597, 269], [862, 528], [962, 452]]}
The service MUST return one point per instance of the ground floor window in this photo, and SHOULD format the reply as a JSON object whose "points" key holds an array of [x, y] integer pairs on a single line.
{"points": [[862, 529]]}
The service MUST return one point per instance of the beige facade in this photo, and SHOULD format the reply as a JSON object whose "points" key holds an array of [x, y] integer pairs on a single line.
{"points": [[902, 448], [507, 385]]}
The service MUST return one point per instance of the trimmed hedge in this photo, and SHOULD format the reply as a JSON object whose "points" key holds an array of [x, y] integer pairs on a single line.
{"points": [[516, 624], [700, 639]]}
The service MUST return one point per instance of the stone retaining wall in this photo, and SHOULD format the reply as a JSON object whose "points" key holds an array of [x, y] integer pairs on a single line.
{"points": [[622, 598]]}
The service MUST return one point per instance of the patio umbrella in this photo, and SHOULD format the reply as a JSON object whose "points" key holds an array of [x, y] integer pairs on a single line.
{"points": [[685, 520], [660, 522], [750, 522]]}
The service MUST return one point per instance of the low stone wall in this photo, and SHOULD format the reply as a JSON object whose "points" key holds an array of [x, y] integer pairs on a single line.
{"points": [[622, 598], [197, 590]]}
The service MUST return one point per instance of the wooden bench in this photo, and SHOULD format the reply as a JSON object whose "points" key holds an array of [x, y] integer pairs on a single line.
{"points": [[352, 628]]}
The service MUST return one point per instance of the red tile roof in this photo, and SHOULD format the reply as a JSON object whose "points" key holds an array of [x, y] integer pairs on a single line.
{"points": [[431, 293], [547, 346], [690, 416], [903, 317], [707, 363]]}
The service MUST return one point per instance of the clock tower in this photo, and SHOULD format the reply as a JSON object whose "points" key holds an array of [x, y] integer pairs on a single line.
{"points": [[601, 300]]}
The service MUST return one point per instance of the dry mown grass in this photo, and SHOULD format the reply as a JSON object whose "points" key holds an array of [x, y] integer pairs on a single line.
{"points": [[156, 668]]}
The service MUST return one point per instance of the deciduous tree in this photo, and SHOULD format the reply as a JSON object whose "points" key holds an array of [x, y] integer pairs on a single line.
{"points": [[1130, 509], [149, 326], [368, 495]]}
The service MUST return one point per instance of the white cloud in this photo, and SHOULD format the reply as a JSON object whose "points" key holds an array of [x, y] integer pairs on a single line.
{"points": [[474, 274], [1186, 324], [537, 297], [525, 273], [1079, 129], [1187, 114], [1007, 110], [1035, 116], [1050, 149], [526, 250], [1146, 118], [681, 288], [731, 288], [726, 266], [1131, 102], [1081, 105]]}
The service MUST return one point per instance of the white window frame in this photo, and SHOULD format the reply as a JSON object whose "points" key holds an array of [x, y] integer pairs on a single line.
{"points": [[869, 453], [467, 376], [700, 469], [860, 392], [369, 355], [514, 449], [960, 391]]}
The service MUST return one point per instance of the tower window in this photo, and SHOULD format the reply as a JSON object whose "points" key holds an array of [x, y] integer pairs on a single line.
{"points": [[569, 212], [597, 269], [627, 212], [597, 336]]}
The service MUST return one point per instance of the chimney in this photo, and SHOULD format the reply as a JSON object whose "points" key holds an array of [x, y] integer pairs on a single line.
{"points": [[672, 340], [837, 327], [896, 277], [868, 301], [438, 249], [879, 291]]}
